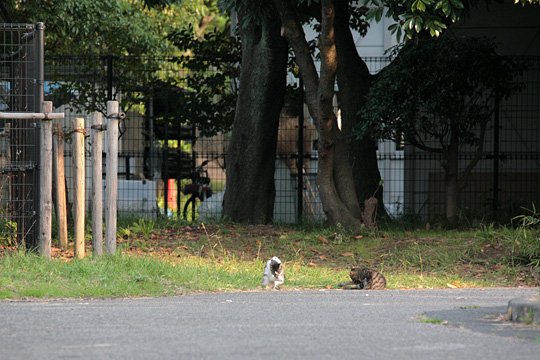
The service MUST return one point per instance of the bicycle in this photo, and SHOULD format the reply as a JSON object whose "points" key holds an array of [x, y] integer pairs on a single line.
{"points": [[199, 188]]}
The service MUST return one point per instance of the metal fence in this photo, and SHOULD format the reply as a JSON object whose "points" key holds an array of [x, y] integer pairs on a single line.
{"points": [[156, 161], [21, 72], [506, 181]]}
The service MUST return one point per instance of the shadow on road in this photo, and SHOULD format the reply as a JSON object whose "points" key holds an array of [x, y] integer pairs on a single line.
{"points": [[487, 320]]}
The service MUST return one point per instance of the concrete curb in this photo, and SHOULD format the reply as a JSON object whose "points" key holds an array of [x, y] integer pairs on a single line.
{"points": [[525, 310]]}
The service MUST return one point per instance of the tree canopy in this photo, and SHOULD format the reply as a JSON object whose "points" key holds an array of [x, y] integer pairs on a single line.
{"points": [[138, 39], [442, 103], [452, 86], [116, 27], [414, 17]]}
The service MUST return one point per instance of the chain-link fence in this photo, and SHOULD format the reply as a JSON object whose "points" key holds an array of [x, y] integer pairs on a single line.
{"points": [[21, 71], [506, 180], [158, 155]]}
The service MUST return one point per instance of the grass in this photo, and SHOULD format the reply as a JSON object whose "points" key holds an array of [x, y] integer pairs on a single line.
{"points": [[24, 276], [427, 320], [158, 258]]}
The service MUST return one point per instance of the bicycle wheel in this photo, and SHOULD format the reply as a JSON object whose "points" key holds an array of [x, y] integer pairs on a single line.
{"points": [[189, 207]]}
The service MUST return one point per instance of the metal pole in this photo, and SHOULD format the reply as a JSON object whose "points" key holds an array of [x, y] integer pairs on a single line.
{"points": [[496, 157], [39, 74], [165, 172], [151, 135], [40, 27], [45, 180], [193, 167], [300, 162], [44, 115], [112, 176], [128, 170]]}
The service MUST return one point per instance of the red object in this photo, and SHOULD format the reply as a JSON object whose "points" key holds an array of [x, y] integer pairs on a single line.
{"points": [[171, 194]]}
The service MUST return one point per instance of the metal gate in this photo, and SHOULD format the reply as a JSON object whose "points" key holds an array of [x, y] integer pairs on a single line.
{"points": [[21, 90]]}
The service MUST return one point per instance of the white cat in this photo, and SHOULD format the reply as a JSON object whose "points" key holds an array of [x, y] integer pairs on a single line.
{"points": [[274, 274]]}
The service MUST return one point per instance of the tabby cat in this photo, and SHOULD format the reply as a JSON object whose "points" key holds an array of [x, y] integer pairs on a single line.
{"points": [[364, 278]]}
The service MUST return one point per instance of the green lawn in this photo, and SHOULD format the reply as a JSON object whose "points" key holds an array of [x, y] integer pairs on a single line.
{"points": [[156, 259]]}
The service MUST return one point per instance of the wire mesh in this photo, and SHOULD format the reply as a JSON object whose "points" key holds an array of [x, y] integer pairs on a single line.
{"points": [[19, 139], [155, 168]]}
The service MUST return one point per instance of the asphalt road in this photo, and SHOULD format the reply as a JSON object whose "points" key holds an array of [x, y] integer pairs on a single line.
{"points": [[278, 325]]}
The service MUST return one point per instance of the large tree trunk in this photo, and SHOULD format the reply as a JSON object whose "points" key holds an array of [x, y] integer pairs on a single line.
{"points": [[451, 168], [354, 81], [334, 178], [250, 191]]}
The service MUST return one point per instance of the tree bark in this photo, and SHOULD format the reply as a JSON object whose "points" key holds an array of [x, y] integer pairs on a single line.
{"points": [[334, 178], [451, 176], [354, 81], [250, 189]]}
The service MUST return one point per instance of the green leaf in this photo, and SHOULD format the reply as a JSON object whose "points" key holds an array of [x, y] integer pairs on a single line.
{"points": [[457, 4], [379, 14], [418, 24], [440, 25]]}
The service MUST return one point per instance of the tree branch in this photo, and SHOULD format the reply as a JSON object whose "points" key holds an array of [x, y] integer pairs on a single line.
{"points": [[327, 46], [479, 152], [413, 141], [292, 31]]}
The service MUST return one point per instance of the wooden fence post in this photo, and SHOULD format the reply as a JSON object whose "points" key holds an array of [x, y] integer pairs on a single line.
{"points": [[45, 171], [97, 183], [78, 185], [60, 185], [45, 180], [112, 176]]}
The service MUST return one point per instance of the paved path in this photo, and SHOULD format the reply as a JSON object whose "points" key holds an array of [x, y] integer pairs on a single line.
{"points": [[272, 325]]}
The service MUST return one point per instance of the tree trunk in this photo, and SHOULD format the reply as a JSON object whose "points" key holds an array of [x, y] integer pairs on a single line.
{"points": [[451, 179], [250, 190], [354, 81], [334, 178]]}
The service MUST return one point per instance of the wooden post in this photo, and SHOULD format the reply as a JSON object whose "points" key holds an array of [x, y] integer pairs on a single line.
{"points": [[45, 174], [112, 176], [60, 187], [97, 184], [45, 179], [78, 185]]}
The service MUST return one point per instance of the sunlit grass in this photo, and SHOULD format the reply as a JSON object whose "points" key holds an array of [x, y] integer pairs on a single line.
{"points": [[24, 275], [161, 259]]}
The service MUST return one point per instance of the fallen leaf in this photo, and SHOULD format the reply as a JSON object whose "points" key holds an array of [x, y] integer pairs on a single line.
{"points": [[311, 264], [358, 237], [452, 286], [348, 254], [323, 239], [323, 257]]}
